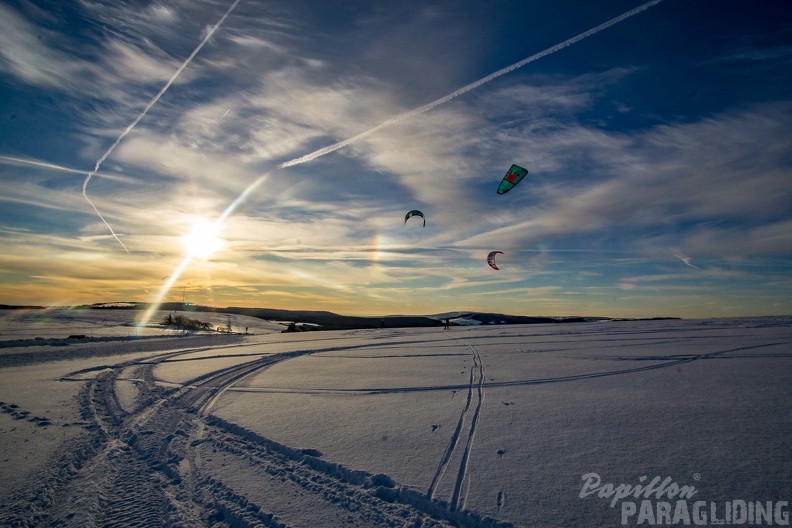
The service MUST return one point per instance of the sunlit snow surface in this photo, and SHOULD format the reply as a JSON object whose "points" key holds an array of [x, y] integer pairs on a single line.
{"points": [[398, 427], [92, 322]]}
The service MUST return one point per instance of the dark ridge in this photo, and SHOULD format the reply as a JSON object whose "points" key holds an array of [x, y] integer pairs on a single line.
{"points": [[308, 320], [495, 318]]}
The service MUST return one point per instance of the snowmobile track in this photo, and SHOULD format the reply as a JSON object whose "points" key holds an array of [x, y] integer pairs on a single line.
{"points": [[144, 466]]}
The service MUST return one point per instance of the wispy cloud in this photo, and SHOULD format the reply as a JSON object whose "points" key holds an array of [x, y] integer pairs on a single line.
{"points": [[27, 53], [732, 166], [282, 117], [685, 259]]}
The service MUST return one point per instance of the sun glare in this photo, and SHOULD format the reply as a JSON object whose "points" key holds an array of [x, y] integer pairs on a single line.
{"points": [[203, 240]]}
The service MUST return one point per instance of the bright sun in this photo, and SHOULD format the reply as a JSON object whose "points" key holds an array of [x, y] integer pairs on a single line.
{"points": [[203, 239]]}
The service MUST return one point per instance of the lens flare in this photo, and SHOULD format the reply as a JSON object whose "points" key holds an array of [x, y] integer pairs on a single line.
{"points": [[203, 240]]}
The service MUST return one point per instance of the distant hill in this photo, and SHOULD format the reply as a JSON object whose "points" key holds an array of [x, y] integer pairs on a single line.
{"points": [[333, 321], [482, 318], [304, 320]]}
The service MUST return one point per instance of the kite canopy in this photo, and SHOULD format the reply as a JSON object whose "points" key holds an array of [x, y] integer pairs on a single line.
{"points": [[512, 178], [491, 259], [415, 212]]}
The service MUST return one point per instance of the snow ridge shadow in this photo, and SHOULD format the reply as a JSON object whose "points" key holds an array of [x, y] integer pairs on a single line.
{"points": [[377, 486]]}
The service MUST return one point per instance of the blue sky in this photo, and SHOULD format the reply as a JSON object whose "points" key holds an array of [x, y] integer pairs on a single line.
{"points": [[658, 150]]}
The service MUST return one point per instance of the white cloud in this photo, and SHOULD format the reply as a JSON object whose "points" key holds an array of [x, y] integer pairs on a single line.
{"points": [[731, 167], [251, 41], [126, 63], [32, 54], [167, 158]]}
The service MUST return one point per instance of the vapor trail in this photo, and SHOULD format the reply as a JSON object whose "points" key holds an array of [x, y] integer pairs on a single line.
{"points": [[9, 160], [685, 259], [151, 103], [469, 87]]}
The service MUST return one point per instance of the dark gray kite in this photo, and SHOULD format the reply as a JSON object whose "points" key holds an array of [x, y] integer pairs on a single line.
{"points": [[415, 212]]}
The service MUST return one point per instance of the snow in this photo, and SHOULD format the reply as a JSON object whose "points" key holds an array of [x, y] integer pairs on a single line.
{"points": [[92, 322], [470, 426]]}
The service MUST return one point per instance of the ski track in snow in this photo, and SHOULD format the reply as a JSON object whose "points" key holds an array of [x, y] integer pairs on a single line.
{"points": [[463, 477], [661, 363], [144, 465], [144, 461], [475, 389]]}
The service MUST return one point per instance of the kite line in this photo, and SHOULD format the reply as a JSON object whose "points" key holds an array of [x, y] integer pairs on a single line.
{"points": [[142, 114]]}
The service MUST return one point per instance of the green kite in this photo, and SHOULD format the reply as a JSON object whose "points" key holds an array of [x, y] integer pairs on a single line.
{"points": [[512, 178]]}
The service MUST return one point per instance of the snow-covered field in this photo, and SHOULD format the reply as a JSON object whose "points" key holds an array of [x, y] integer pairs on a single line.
{"points": [[471, 426], [60, 323]]}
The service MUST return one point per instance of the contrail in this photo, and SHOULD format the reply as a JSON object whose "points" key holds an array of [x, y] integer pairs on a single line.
{"points": [[9, 160], [684, 258], [151, 103], [469, 87]]}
